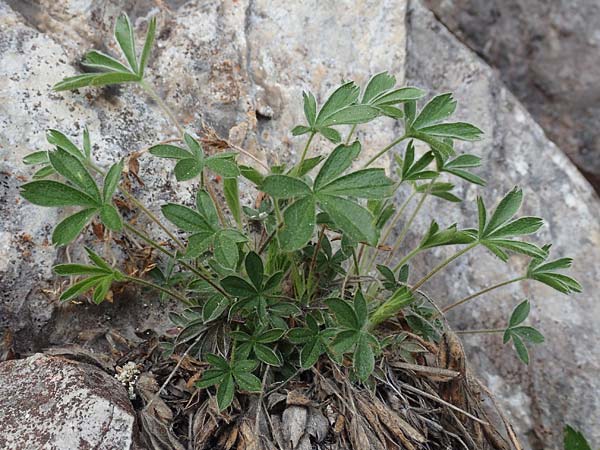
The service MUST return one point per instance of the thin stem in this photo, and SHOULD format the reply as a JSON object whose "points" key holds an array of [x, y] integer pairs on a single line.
{"points": [[313, 261], [408, 224], [482, 331], [304, 152], [443, 264], [149, 284], [151, 215], [404, 260], [388, 231], [162, 105], [189, 267], [384, 150], [481, 292], [350, 134]]}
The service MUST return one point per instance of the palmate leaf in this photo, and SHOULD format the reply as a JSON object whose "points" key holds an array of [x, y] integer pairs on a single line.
{"points": [[340, 108], [100, 277], [520, 334], [381, 94], [191, 161], [409, 170], [497, 232], [547, 273], [111, 70], [329, 192]]}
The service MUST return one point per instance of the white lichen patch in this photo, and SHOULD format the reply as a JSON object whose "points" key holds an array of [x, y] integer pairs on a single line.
{"points": [[128, 376]]}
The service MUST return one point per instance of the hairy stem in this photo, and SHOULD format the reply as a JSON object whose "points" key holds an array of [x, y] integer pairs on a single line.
{"points": [[151, 215], [482, 331], [162, 105], [481, 292], [151, 285], [163, 250], [350, 134], [384, 150], [457, 255], [408, 224], [304, 152]]}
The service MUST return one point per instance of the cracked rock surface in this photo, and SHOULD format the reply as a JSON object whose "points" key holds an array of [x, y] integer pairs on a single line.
{"points": [[51, 403], [240, 67]]}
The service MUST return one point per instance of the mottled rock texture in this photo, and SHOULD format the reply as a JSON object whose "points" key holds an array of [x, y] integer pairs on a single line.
{"points": [[561, 384], [548, 52], [51, 403], [240, 67]]}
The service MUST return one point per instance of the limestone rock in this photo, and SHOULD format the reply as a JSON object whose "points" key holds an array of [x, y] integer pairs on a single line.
{"points": [[240, 66], [560, 384], [51, 403], [548, 52]]}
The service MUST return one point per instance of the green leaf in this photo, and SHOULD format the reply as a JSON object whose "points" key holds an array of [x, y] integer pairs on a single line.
{"points": [[448, 236], [68, 229], [267, 355], [574, 440], [98, 261], [311, 352], [111, 181], [79, 269], [94, 79], [310, 107], [284, 186], [344, 341], [238, 287], [360, 308], [244, 365], [308, 164], [377, 85], [210, 377], [458, 130], [344, 313], [401, 95], [352, 218], [81, 287], [217, 361], [506, 209], [344, 96], [147, 46], [350, 115], [366, 183], [247, 382], [226, 251], [364, 359], [99, 60], [198, 243], [74, 171], [126, 40], [44, 172], [331, 134], [254, 269], [111, 218], [101, 290], [299, 224], [185, 218], [481, 213], [188, 168], [53, 193], [529, 334], [232, 197], [36, 158], [55, 137], [225, 392], [519, 314], [518, 227], [436, 110], [170, 151], [87, 145], [521, 349], [214, 307], [338, 161], [524, 248], [223, 166]]}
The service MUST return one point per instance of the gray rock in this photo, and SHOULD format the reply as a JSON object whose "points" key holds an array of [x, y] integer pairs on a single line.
{"points": [[561, 383], [51, 403], [548, 52], [240, 66]]}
